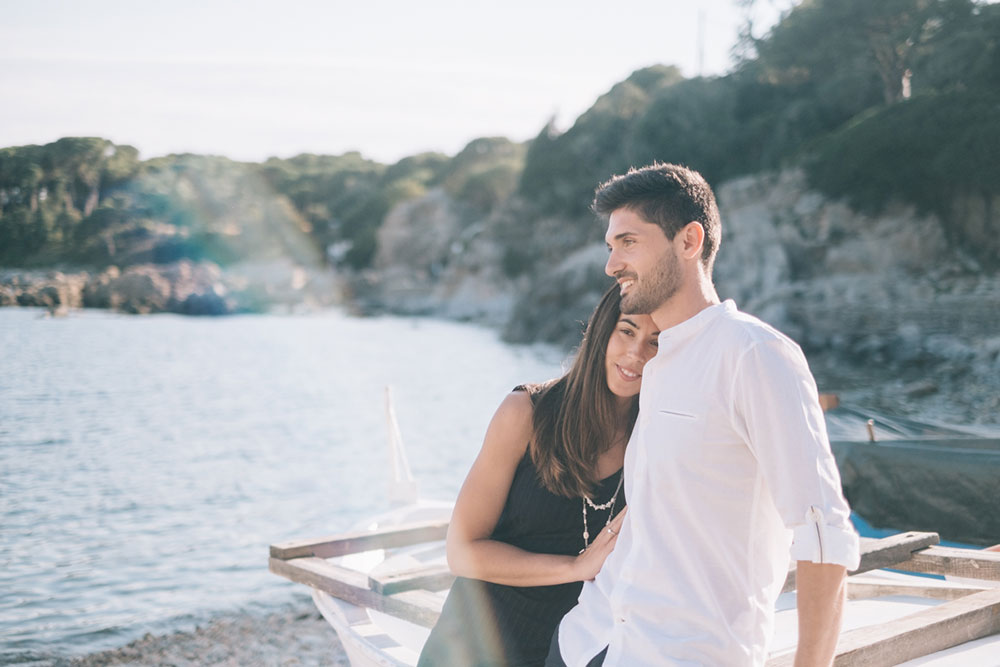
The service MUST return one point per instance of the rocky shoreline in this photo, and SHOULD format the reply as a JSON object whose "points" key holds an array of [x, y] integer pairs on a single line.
{"points": [[183, 287], [296, 635], [959, 393]]}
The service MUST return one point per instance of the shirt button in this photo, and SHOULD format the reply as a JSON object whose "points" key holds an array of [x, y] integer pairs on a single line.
{"points": [[619, 620]]}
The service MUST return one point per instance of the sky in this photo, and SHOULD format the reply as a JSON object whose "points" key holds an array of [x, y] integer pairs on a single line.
{"points": [[251, 79]]}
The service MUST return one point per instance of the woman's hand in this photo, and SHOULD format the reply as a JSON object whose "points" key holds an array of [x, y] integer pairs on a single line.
{"points": [[590, 562]]}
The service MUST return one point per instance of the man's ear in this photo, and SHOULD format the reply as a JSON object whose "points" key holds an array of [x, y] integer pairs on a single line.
{"points": [[690, 240]]}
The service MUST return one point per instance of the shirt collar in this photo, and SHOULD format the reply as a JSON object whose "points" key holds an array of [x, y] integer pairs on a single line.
{"points": [[692, 325]]}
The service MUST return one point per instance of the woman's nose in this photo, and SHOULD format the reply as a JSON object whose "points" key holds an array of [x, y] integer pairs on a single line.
{"points": [[636, 349]]}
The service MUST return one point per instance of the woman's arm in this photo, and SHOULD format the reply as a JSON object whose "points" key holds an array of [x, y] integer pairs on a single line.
{"points": [[480, 502]]}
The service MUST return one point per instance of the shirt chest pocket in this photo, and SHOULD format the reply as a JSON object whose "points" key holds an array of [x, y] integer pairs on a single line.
{"points": [[676, 433]]}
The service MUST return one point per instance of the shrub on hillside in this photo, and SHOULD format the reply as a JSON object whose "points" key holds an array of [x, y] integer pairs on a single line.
{"points": [[929, 151]]}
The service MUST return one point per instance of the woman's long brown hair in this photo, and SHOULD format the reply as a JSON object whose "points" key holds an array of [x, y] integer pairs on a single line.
{"points": [[577, 418]]}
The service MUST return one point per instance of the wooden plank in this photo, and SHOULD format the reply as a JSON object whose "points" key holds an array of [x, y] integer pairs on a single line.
{"points": [[435, 577], [861, 590], [893, 550], [916, 635], [348, 543], [428, 603], [967, 563], [880, 553], [418, 606], [922, 633]]}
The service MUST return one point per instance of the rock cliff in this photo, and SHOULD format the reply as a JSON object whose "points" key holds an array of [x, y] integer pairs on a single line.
{"points": [[888, 311]]}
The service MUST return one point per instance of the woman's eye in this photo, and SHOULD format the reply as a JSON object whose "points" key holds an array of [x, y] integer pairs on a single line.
{"points": [[627, 332]]}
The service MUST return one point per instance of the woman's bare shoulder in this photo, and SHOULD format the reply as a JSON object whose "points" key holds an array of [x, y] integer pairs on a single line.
{"points": [[518, 403], [512, 426]]}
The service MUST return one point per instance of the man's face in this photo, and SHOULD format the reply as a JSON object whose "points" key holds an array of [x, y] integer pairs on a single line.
{"points": [[643, 261]]}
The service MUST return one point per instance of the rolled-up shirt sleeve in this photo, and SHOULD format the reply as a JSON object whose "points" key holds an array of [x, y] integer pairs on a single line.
{"points": [[776, 402]]}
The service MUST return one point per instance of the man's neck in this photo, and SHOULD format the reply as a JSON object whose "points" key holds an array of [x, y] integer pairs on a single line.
{"points": [[691, 299]]}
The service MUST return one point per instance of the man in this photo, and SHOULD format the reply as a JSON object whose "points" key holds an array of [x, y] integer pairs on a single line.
{"points": [[728, 472]]}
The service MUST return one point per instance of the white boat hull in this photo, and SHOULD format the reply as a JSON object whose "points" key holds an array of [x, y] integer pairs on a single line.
{"points": [[373, 638]]}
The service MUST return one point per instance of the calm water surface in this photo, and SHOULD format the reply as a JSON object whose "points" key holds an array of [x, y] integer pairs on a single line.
{"points": [[147, 462]]}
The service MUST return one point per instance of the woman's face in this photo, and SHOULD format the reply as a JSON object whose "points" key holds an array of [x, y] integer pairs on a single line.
{"points": [[632, 343]]}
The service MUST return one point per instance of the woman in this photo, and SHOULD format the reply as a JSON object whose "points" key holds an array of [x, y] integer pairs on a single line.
{"points": [[540, 508]]}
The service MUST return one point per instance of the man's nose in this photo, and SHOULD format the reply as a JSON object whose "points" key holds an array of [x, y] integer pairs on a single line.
{"points": [[613, 265]]}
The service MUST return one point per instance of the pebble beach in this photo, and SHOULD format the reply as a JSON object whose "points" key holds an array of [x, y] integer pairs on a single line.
{"points": [[295, 636]]}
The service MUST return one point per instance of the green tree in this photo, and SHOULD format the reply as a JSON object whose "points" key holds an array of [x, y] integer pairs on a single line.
{"points": [[931, 151], [485, 173], [692, 122], [852, 48], [561, 170], [964, 52]]}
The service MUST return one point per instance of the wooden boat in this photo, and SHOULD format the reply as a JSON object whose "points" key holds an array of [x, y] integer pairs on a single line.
{"points": [[929, 477], [382, 588]]}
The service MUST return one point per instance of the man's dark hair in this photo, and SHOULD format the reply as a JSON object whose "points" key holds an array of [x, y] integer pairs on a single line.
{"points": [[668, 195]]}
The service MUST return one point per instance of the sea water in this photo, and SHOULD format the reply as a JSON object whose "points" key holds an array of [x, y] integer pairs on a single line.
{"points": [[147, 462]]}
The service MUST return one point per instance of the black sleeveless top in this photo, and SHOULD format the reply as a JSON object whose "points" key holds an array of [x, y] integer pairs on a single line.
{"points": [[485, 624]]}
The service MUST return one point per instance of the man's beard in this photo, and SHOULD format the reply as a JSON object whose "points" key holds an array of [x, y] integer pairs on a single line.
{"points": [[649, 294]]}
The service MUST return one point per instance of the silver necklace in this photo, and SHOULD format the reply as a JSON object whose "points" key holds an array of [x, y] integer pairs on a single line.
{"points": [[610, 505]]}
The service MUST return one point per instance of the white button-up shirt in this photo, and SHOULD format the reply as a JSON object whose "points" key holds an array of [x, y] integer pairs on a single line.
{"points": [[728, 475]]}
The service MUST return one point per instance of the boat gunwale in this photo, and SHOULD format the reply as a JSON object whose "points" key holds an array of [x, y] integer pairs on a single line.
{"points": [[971, 612]]}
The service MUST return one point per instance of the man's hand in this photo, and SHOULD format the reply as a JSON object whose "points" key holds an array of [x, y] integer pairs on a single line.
{"points": [[821, 595]]}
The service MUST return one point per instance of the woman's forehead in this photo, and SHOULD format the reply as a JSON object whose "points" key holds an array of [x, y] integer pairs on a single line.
{"points": [[638, 321]]}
